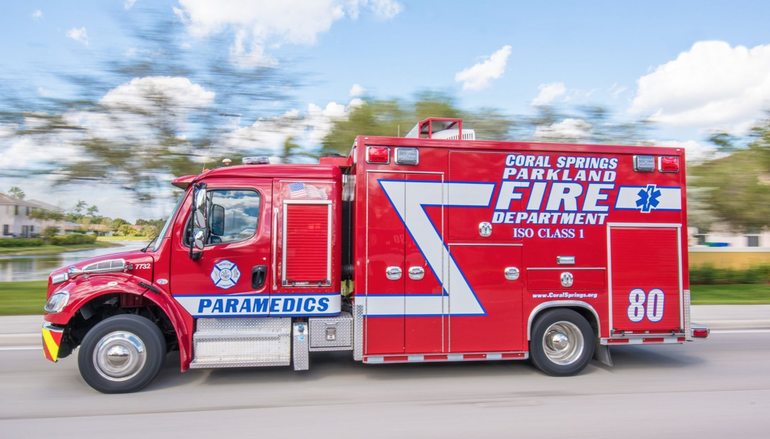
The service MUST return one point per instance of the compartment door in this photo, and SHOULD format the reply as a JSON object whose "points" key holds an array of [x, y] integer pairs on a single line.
{"points": [[645, 278], [385, 247]]}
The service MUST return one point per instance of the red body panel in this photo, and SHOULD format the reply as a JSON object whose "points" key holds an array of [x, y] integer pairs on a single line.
{"points": [[546, 203]]}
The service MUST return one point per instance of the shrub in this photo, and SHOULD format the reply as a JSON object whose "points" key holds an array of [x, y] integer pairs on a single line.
{"points": [[20, 242], [73, 239], [709, 275], [50, 231]]}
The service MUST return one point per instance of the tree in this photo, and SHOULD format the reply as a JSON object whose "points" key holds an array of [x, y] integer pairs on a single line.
{"points": [[50, 231], [80, 206], [126, 230], [149, 231], [139, 136], [734, 187], [92, 210], [46, 215], [16, 192]]}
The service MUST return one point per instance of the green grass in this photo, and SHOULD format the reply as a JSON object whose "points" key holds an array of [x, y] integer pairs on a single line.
{"points": [[53, 249], [122, 238], [18, 298], [746, 294]]}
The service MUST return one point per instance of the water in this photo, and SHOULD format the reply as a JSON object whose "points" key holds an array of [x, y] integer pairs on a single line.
{"points": [[38, 267]]}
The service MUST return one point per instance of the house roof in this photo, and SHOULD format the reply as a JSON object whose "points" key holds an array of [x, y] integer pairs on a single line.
{"points": [[7, 199], [46, 206]]}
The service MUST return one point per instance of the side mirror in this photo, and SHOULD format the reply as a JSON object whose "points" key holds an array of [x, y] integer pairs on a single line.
{"points": [[199, 239], [200, 209], [217, 220], [199, 224]]}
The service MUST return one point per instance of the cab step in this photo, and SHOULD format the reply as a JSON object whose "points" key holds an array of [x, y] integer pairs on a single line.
{"points": [[241, 342]]}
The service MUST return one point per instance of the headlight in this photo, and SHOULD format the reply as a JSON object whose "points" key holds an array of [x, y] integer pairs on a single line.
{"points": [[57, 302]]}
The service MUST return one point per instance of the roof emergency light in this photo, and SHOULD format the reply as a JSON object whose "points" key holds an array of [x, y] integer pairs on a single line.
{"points": [[377, 154], [668, 164], [260, 160]]}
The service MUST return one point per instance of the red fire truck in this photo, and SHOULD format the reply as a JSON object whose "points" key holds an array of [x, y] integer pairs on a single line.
{"points": [[428, 248]]}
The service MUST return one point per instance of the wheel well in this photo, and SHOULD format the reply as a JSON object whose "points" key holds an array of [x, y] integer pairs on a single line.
{"points": [[587, 313], [109, 305]]}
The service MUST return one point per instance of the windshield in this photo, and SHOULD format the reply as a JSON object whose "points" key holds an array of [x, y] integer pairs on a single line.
{"points": [[167, 226]]}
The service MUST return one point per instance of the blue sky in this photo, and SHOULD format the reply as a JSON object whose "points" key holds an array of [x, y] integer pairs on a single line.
{"points": [[694, 66]]}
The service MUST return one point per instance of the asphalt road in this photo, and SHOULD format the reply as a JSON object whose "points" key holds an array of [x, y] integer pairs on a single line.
{"points": [[716, 388]]}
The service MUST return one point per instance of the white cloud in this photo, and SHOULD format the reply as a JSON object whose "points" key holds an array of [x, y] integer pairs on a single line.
{"points": [[78, 35], [146, 93], [357, 90], [28, 153], [129, 4], [617, 90], [265, 23], [548, 92], [711, 86], [567, 129], [694, 151], [479, 76], [43, 92], [307, 129], [37, 14]]}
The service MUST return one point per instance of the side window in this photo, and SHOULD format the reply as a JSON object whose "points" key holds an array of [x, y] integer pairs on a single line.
{"points": [[233, 215]]}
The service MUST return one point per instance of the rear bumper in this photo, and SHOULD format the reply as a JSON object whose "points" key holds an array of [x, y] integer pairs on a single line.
{"points": [[700, 331], [51, 341]]}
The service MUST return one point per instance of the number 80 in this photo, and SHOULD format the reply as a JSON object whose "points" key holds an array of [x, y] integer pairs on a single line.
{"points": [[637, 297]]}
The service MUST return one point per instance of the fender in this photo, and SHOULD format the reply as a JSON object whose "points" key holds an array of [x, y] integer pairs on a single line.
{"points": [[84, 290]]}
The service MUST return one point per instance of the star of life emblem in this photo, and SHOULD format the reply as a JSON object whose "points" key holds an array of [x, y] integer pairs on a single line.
{"points": [[648, 198], [225, 274]]}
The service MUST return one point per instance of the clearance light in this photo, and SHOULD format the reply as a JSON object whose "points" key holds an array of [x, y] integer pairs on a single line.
{"points": [[668, 164], [377, 154]]}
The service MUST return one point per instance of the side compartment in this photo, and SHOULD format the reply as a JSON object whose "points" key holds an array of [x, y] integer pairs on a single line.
{"points": [[645, 277]]}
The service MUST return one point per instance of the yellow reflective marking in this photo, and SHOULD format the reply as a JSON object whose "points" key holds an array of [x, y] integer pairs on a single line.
{"points": [[53, 348]]}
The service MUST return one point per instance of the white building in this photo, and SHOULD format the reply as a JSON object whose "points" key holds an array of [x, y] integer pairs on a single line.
{"points": [[721, 236], [15, 220]]}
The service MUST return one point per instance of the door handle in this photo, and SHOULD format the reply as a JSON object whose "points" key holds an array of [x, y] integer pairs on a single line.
{"points": [[416, 273], [393, 273], [511, 273], [258, 276]]}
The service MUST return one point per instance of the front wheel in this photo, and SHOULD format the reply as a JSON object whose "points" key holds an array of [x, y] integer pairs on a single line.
{"points": [[122, 354], [562, 342]]}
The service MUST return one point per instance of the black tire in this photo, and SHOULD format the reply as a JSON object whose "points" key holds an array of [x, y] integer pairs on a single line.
{"points": [[547, 356], [121, 329]]}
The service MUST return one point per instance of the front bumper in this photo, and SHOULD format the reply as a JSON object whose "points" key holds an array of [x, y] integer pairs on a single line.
{"points": [[52, 336]]}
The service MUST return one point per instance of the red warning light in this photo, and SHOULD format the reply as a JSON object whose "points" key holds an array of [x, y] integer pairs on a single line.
{"points": [[668, 164], [377, 154]]}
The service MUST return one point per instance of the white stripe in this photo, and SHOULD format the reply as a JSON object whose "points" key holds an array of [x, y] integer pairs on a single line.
{"points": [[31, 334], [670, 198], [740, 331], [20, 348], [408, 197]]}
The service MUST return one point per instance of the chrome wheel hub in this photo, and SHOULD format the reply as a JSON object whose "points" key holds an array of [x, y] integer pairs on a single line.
{"points": [[119, 356], [563, 343]]}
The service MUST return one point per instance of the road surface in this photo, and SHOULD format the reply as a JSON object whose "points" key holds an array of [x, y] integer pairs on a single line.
{"points": [[716, 388]]}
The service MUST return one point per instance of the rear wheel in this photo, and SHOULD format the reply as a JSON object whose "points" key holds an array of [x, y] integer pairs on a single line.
{"points": [[122, 354], [562, 342]]}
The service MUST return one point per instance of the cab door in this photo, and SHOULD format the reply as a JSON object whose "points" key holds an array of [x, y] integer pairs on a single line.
{"points": [[232, 275]]}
